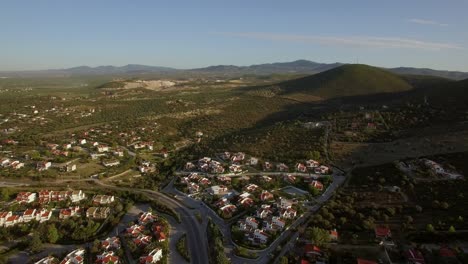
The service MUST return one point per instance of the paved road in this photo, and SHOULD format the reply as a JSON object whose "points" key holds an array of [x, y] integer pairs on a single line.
{"points": [[12, 184], [260, 173], [197, 240], [196, 233], [263, 255]]}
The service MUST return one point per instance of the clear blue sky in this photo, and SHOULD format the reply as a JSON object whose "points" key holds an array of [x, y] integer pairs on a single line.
{"points": [[186, 34]]}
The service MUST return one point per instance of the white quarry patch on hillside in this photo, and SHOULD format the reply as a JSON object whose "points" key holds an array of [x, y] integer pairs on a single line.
{"points": [[152, 85]]}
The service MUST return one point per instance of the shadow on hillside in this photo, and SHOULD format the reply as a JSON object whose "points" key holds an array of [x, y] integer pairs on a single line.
{"points": [[360, 153]]}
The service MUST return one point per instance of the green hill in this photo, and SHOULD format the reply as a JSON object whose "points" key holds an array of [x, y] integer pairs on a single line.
{"points": [[343, 81]]}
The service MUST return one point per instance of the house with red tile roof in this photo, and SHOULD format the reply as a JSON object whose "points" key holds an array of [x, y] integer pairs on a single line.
{"points": [[217, 190], [282, 167], [252, 222], [13, 220], [111, 243], [29, 214], [266, 195], [289, 178], [147, 217], [247, 202], [312, 250], [77, 196], [322, 169], [267, 166], [135, 230], [158, 231], [103, 199], [153, 257], [300, 167], [365, 261], [275, 224], [382, 232], [107, 257], [161, 237], [266, 178], [98, 212], [237, 157], [312, 164], [47, 260], [74, 257], [204, 181], [264, 211], [142, 240], [289, 213], [317, 185], [69, 212], [228, 210], [234, 168], [44, 215], [444, 251], [259, 236], [251, 187], [285, 203], [43, 165], [4, 216], [45, 196], [26, 197], [333, 235], [193, 187]]}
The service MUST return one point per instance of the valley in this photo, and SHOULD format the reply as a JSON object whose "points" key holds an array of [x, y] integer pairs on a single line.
{"points": [[252, 165]]}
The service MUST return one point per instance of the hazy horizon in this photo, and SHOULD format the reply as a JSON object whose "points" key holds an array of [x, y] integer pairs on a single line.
{"points": [[184, 35], [227, 64]]}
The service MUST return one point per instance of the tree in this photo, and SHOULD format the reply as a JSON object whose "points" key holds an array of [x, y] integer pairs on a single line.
{"points": [[430, 228], [284, 260], [95, 247], [451, 229], [52, 234], [444, 205], [318, 235], [315, 155], [35, 244], [5, 194]]}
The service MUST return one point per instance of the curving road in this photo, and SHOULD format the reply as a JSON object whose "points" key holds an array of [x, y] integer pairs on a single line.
{"points": [[196, 232], [196, 235], [264, 256]]}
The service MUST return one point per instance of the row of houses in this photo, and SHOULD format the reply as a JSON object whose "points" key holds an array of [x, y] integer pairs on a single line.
{"points": [[98, 212], [210, 165], [46, 196], [8, 219], [74, 257], [272, 218], [312, 166], [103, 199], [142, 145], [14, 164], [143, 233], [108, 247]]}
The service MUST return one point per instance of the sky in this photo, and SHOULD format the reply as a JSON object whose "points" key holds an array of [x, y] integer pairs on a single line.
{"points": [[189, 34]]}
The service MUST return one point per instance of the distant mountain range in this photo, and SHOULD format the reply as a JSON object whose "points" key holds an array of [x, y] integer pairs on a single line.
{"points": [[297, 67], [294, 67]]}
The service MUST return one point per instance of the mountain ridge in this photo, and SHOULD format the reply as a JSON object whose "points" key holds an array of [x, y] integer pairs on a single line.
{"points": [[296, 67]]}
